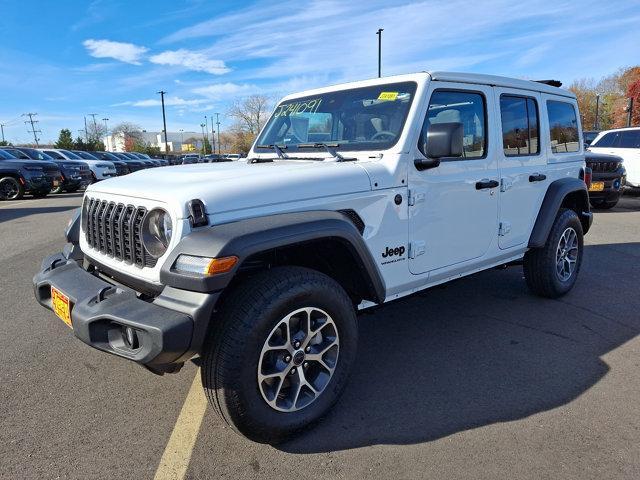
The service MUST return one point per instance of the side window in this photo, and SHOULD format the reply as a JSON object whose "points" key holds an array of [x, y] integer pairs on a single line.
{"points": [[630, 139], [468, 108], [520, 130], [563, 125], [53, 154], [607, 140]]}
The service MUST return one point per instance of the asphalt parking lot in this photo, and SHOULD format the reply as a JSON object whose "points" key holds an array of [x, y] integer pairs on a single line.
{"points": [[476, 379]]}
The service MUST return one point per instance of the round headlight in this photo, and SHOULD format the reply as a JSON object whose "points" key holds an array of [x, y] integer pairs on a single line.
{"points": [[156, 232]]}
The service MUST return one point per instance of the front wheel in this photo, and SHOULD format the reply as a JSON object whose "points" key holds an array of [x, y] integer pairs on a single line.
{"points": [[281, 352], [552, 270], [10, 189]]}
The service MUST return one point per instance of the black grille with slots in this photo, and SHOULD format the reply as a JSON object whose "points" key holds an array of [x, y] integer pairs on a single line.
{"points": [[115, 229], [603, 166], [355, 219]]}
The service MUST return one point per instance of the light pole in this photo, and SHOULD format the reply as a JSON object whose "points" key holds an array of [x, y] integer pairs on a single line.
{"points": [[164, 122], [204, 145], [181, 139], [206, 128], [218, 124], [379, 34]]}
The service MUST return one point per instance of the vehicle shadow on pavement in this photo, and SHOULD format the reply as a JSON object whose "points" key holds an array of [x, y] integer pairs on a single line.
{"points": [[479, 351], [627, 203], [7, 214]]}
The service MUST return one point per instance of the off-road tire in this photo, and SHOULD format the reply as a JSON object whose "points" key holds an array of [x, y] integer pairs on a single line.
{"points": [[238, 333], [16, 188], [540, 263]]}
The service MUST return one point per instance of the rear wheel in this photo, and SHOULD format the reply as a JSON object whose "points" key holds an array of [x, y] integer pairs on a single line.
{"points": [[281, 353], [10, 189], [552, 270], [57, 189]]}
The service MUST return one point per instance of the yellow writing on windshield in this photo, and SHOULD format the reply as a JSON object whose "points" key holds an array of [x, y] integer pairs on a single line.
{"points": [[296, 108]]}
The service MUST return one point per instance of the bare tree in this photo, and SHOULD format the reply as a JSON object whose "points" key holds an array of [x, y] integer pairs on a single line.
{"points": [[131, 132], [250, 113]]}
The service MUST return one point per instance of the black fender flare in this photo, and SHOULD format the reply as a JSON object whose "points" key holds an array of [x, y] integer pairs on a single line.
{"points": [[557, 192], [247, 237]]}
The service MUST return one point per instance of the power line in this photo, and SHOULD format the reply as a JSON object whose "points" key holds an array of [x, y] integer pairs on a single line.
{"points": [[33, 126]]}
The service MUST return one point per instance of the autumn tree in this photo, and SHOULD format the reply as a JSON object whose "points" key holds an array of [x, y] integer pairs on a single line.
{"points": [[131, 133]]}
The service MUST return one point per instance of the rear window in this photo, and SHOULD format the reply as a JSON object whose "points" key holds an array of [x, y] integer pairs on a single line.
{"points": [[563, 125]]}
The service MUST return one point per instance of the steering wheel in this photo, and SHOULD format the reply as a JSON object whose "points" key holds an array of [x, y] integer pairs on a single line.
{"points": [[383, 133]]}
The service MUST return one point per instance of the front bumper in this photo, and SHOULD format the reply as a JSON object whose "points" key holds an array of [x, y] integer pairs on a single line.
{"points": [[613, 185], [170, 328]]}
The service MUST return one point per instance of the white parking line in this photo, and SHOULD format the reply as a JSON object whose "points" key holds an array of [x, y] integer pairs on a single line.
{"points": [[177, 454]]}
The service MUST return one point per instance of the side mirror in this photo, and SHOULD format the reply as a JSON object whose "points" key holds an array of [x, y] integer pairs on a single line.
{"points": [[443, 140]]}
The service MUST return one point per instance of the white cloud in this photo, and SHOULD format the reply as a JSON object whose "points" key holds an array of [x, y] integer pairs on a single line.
{"points": [[155, 102], [197, 61], [220, 91], [125, 52]]}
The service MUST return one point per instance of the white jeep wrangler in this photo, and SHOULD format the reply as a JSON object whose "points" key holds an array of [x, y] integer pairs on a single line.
{"points": [[352, 196]]}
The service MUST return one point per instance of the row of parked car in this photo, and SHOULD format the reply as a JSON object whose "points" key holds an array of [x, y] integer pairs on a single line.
{"points": [[53, 170], [190, 158], [614, 159]]}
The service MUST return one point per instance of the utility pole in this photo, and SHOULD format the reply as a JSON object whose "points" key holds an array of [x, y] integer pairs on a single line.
{"points": [[218, 124], [629, 113], [204, 145], [379, 34], [2, 130], [595, 122], [164, 122], [86, 131], [33, 126]]}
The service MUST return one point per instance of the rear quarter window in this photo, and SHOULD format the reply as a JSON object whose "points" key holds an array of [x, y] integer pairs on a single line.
{"points": [[563, 127]]}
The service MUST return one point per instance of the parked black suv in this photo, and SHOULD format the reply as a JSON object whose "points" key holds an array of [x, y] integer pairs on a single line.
{"points": [[75, 174], [132, 165], [608, 178], [51, 169], [18, 176]]}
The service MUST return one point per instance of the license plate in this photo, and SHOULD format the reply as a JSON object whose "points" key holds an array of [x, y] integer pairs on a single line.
{"points": [[61, 306], [596, 187]]}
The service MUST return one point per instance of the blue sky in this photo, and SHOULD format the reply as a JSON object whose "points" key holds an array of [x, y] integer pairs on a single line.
{"points": [[65, 59]]}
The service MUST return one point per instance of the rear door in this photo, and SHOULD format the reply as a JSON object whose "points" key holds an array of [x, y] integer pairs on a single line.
{"points": [[522, 165]]}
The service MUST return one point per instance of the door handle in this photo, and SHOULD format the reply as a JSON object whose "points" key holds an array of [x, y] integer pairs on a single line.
{"points": [[486, 183], [537, 177]]}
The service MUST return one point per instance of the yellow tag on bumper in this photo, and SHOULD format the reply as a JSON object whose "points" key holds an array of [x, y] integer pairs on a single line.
{"points": [[61, 306]]}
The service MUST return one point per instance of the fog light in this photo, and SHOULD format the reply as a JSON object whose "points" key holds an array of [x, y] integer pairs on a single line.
{"points": [[130, 338]]}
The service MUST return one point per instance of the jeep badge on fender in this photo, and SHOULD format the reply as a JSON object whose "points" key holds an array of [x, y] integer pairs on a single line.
{"points": [[390, 252], [265, 283]]}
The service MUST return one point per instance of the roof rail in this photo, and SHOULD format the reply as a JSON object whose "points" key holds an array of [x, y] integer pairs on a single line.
{"points": [[553, 83]]}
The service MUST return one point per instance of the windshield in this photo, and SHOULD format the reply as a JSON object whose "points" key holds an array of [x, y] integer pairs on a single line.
{"points": [[6, 156], [85, 155], [367, 118], [71, 155]]}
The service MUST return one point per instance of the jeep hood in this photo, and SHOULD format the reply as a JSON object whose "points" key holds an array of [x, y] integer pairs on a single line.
{"points": [[229, 186]]}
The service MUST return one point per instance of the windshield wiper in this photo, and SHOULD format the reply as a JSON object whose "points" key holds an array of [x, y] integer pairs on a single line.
{"points": [[329, 147], [276, 148]]}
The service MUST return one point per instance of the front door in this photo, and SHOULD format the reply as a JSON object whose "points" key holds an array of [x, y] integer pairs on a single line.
{"points": [[453, 208]]}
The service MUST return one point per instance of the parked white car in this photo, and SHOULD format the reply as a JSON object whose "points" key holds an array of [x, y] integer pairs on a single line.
{"points": [[100, 169], [625, 143]]}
